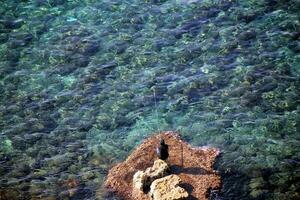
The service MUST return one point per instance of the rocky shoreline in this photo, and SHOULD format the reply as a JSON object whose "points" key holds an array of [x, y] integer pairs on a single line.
{"points": [[191, 168]]}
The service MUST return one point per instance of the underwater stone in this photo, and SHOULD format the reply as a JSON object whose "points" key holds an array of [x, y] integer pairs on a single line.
{"points": [[239, 91], [33, 137], [87, 175], [12, 23], [247, 17], [159, 44], [21, 170], [247, 35], [13, 55], [22, 36], [268, 87], [59, 160], [19, 142], [3, 37], [13, 109], [8, 193], [294, 46], [89, 48], [250, 98], [80, 60]]}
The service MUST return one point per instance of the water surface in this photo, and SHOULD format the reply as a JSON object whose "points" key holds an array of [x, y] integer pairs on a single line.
{"points": [[83, 82]]}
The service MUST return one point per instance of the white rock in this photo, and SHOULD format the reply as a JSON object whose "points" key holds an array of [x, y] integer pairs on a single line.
{"points": [[167, 189], [142, 180]]}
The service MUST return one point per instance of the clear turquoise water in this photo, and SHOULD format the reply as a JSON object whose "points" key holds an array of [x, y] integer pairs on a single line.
{"points": [[83, 82]]}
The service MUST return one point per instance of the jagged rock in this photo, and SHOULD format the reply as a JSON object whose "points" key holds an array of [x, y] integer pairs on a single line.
{"points": [[142, 180], [139, 180], [194, 166], [167, 188]]}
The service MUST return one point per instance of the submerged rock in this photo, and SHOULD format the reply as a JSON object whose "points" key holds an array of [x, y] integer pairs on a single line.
{"points": [[12, 23], [193, 166]]}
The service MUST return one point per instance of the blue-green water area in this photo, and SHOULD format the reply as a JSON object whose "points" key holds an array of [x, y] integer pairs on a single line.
{"points": [[83, 82]]}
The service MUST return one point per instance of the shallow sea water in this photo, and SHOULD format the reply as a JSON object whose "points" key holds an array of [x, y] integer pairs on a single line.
{"points": [[83, 82]]}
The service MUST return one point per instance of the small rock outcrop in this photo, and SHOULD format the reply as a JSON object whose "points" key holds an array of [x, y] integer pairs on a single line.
{"points": [[142, 180], [161, 186], [167, 188], [191, 166]]}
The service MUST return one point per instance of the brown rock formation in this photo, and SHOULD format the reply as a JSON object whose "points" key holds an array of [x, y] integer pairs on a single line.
{"points": [[192, 165]]}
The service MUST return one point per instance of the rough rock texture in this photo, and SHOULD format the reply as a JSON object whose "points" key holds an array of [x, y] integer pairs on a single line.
{"points": [[139, 180], [167, 188], [192, 165], [142, 180]]}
